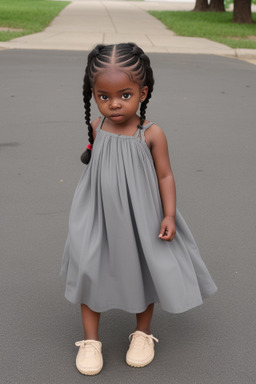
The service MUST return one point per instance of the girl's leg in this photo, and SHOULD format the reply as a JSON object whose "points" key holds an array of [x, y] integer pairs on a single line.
{"points": [[144, 320], [141, 349], [89, 360], [90, 320]]}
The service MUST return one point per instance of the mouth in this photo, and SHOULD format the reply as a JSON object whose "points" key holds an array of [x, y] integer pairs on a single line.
{"points": [[116, 117]]}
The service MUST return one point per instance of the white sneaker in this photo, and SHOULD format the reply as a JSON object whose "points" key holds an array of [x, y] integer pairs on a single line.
{"points": [[89, 360], [141, 351]]}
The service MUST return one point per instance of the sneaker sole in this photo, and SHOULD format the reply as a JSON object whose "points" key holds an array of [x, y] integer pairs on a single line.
{"points": [[89, 373], [138, 364]]}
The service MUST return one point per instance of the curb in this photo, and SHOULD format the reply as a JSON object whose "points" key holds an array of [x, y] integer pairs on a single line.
{"points": [[245, 53]]}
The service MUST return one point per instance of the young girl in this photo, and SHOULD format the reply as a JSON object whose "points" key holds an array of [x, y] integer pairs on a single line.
{"points": [[127, 246]]}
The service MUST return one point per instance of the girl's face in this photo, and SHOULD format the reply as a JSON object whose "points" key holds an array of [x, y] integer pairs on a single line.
{"points": [[117, 97]]}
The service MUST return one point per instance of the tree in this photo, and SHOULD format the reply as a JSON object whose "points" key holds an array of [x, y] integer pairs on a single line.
{"points": [[217, 6], [201, 5], [242, 9], [242, 12]]}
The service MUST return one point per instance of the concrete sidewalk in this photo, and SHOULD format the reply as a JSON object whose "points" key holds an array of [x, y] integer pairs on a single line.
{"points": [[83, 24]]}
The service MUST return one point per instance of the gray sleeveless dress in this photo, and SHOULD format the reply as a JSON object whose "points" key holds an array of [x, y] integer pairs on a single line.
{"points": [[113, 257]]}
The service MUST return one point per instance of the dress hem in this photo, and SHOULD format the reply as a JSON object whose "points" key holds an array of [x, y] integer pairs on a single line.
{"points": [[142, 309]]}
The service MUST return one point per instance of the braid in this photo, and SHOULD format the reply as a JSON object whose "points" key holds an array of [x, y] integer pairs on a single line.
{"points": [[95, 61], [149, 81], [87, 94], [127, 57]]}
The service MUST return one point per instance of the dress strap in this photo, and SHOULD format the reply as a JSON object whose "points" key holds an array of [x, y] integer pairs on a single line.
{"points": [[148, 125], [102, 118], [142, 131]]}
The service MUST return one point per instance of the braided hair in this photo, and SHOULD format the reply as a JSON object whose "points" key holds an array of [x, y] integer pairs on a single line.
{"points": [[127, 57]]}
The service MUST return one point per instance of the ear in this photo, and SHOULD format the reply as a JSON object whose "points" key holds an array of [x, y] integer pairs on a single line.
{"points": [[143, 93]]}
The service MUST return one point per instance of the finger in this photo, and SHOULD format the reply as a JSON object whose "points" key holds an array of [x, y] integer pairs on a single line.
{"points": [[162, 232], [165, 235], [169, 235], [172, 236]]}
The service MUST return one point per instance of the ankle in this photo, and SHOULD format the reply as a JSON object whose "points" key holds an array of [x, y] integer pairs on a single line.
{"points": [[91, 336], [144, 330]]}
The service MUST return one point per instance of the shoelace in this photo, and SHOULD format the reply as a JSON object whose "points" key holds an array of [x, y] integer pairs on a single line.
{"points": [[141, 339], [89, 346]]}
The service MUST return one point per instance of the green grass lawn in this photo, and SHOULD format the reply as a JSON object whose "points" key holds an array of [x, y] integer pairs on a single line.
{"points": [[216, 26], [30, 16]]}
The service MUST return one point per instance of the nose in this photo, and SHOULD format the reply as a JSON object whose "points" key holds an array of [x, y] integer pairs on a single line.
{"points": [[115, 104]]}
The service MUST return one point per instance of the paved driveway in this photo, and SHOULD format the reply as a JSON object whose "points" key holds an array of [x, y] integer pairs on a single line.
{"points": [[206, 104]]}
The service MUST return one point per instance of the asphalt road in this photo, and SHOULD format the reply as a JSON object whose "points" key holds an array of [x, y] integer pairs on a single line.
{"points": [[206, 105]]}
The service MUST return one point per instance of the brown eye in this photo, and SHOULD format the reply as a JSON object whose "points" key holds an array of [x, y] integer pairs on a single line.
{"points": [[126, 96], [103, 97]]}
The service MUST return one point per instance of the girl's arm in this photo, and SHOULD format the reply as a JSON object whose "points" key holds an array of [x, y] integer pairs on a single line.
{"points": [[156, 139]]}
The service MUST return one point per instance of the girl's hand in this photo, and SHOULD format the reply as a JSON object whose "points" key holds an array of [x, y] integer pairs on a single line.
{"points": [[168, 229]]}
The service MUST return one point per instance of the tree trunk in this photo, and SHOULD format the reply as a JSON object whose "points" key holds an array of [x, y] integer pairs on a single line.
{"points": [[242, 12], [201, 5], [217, 6]]}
